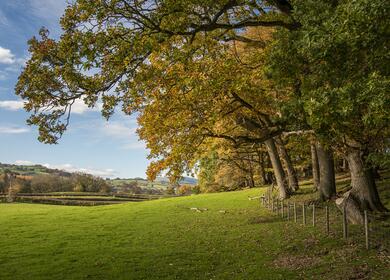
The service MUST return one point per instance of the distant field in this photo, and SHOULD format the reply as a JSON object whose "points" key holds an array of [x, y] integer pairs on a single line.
{"points": [[235, 238], [80, 198], [141, 183]]}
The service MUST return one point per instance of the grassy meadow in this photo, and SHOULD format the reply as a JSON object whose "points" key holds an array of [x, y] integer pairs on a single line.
{"points": [[236, 238]]}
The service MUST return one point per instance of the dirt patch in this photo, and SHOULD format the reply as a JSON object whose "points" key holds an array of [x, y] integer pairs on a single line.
{"points": [[295, 262]]}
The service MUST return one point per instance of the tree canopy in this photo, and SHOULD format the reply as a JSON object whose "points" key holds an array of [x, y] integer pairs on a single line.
{"points": [[246, 73]]}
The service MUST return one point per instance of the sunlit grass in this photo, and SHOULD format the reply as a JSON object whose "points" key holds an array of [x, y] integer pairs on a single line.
{"points": [[235, 238]]}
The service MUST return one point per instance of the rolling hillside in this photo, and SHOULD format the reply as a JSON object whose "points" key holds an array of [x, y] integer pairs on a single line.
{"points": [[32, 170]]}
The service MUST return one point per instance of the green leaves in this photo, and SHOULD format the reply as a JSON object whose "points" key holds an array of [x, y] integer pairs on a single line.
{"points": [[338, 58]]}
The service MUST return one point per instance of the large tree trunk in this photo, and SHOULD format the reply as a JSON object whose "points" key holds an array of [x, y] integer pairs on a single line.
{"points": [[315, 166], [278, 169], [327, 187], [291, 174], [363, 182]]}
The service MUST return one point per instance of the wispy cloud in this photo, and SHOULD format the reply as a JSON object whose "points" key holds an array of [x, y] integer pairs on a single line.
{"points": [[3, 19], [134, 145], [126, 132], [50, 10], [13, 129], [119, 129], [12, 105]]}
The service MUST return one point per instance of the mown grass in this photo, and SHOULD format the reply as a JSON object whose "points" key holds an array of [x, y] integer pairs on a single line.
{"points": [[235, 238]]}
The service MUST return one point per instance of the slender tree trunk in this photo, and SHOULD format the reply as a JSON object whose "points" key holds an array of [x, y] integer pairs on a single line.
{"points": [[252, 180], [269, 175], [315, 166], [263, 180], [344, 166], [278, 169], [291, 174], [363, 183], [327, 187]]}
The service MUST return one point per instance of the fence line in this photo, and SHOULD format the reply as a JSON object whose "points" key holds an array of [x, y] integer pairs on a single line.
{"points": [[374, 233]]}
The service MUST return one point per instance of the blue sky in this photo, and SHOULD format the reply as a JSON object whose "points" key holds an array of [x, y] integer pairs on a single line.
{"points": [[108, 149]]}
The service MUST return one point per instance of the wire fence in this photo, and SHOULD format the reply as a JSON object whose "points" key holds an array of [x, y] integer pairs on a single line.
{"points": [[373, 233]]}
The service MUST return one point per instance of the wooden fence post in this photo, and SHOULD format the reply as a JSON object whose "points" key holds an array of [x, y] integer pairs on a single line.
{"points": [[272, 205], [295, 212], [345, 223], [304, 213], [327, 219], [288, 211], [314, 215], [366, 229], [282, 205]]}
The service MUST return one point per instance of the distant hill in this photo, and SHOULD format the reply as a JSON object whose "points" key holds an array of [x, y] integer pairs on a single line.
{"points": [[37, 169], [183, 181], [189, 181], [160, 182], [31, 170]]}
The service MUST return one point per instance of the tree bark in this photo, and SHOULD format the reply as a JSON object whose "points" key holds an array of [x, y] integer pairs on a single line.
{"points": [[278, 169], [327, 187], [363, 182], [315, 166], [291, 173]]}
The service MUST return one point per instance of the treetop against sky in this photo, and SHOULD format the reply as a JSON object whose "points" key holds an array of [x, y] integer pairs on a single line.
{"points": [[91, 145]]}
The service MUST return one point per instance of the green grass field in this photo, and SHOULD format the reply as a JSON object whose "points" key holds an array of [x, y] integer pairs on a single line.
{"points": [[164, 239]]}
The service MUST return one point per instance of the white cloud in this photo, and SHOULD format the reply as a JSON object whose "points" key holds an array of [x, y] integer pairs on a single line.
{"points": [[12, 105], [13, 130], [94, 171], [17, 65], [13, 63], [6, 56], [70, 168], [77, 108], [23, 162]]}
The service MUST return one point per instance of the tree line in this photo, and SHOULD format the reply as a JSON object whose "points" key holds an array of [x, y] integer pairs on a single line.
{"points": [[46, 183], [264, 87]]}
